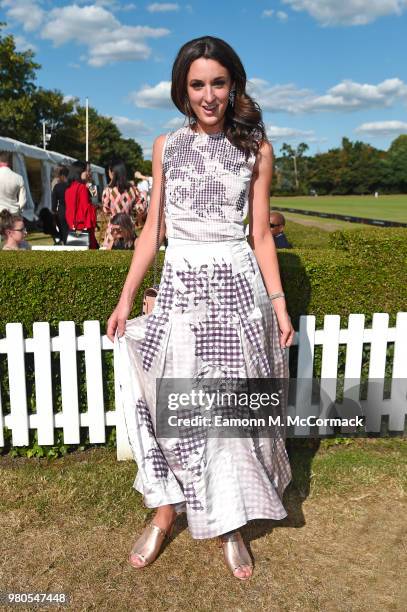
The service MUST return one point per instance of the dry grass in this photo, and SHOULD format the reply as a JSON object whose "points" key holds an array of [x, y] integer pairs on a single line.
{"points": [[68, 525]]}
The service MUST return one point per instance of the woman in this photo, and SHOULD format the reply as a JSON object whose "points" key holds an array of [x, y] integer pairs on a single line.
{"points": [[122, 230], [118, 197], [220, 312], [12, 229], [58, 202], [80, 213]]}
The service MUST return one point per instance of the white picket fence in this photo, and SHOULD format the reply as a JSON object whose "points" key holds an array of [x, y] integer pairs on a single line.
{"points": [[96, 419]]}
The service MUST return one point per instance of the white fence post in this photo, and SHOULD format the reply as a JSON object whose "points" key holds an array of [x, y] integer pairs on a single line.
{"points": [[69, 382], [351, 406], [43, 383], [329, 368], [303, 396], [18, 421], [399, 378], [377, 368], [94, 382]]}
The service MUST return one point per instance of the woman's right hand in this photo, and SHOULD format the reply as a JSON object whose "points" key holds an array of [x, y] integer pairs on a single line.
{"points": [[117, 321]]}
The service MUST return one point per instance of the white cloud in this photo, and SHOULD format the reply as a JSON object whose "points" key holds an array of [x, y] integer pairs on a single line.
{"points": [[348, 12], [175, 122], [281, 16], [108, 40], [267, 13], [346, 96], [26, 12], [276, 133], [278, 98], [128, 7], [113, 5], [382, 128], [162, 7], [349, 95], [131, 128], [153, 96], [22, 44], [69, 98]]}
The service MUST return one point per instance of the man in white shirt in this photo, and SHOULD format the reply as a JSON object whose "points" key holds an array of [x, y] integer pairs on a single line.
{"points": [[12, 190]]}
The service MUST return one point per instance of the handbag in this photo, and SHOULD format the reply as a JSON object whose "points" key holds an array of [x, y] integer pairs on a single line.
{"points": [[77, 237], [151, 293]]}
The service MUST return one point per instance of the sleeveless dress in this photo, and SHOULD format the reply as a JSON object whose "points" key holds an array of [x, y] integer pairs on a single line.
{"points": [[114, 202], [212, 319]]}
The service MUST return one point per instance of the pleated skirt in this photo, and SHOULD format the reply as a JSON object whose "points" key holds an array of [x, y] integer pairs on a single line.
{"points": [[212, 319]]}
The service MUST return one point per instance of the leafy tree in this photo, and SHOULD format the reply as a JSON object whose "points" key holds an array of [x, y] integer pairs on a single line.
{"points": [[17, 76], [396, 165], [59, 115], [292, 168]]}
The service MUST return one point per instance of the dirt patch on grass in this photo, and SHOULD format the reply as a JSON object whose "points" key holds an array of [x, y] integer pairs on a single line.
{"points": [[68, 525]]}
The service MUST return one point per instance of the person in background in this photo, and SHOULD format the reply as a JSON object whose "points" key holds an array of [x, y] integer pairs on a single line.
{"points": [[58, 202], [118, 197], [144, 185], [91, 185], [277, 224], [79, 211], [122, 229], [13, 196], [12, 230]]}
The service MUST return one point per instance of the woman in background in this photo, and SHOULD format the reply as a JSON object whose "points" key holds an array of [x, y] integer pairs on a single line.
{"points": [[12, 229], [118, 197], [122, 229], [80, 213]]}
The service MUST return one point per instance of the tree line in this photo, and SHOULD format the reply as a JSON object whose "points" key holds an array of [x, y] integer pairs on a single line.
{"points": [[24, 106], [355, 168]]}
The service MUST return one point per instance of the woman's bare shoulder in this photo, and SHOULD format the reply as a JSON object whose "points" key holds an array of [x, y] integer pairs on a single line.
{"points": [[266, 149], [159, 142]]}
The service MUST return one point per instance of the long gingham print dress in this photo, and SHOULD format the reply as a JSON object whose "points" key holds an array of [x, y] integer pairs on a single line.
{"points": [[212, 319]]}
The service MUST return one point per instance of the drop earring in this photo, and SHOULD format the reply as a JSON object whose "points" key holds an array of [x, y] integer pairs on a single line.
{"points": [[232, 95]]}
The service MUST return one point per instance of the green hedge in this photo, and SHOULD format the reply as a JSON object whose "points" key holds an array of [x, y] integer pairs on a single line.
{"points": [[49, 286], [372, 242], [306, 236]]}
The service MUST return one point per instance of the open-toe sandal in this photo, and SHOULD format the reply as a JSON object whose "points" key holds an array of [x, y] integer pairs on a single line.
{"points": [[235, 553]]}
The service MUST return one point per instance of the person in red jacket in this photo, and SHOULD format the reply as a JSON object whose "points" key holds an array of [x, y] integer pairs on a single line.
{"points": [[79, 210]]}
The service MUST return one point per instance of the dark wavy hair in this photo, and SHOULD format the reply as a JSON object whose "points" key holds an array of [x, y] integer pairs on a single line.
{"points": [[243, 124], [75, 172], [127, 228], [119, 178]]}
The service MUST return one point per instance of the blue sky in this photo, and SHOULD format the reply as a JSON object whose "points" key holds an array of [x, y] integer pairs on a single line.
{"points": [[320, 69]]}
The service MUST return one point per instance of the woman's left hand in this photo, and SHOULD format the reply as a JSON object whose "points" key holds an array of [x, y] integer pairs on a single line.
{"points": [[286, 329]]}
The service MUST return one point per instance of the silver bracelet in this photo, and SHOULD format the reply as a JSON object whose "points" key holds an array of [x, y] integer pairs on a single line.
{"points": [[274, 296]]}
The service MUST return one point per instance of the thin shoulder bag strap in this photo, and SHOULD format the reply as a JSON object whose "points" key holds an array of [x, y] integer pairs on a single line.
{"points": [[160, 213]]}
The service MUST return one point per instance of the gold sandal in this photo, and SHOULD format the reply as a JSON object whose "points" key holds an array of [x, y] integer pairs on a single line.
{"points": [[149, 544], [235, 553]]}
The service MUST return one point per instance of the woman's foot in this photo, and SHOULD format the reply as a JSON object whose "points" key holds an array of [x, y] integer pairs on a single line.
{"points": [[236, 555], [148, 545]]}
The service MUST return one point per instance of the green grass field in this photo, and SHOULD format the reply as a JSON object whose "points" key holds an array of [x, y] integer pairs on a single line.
{"points": [[390, 208]]}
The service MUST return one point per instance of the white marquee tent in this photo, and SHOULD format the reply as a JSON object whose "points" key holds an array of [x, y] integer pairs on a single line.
{"points": [[35, 166]]}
